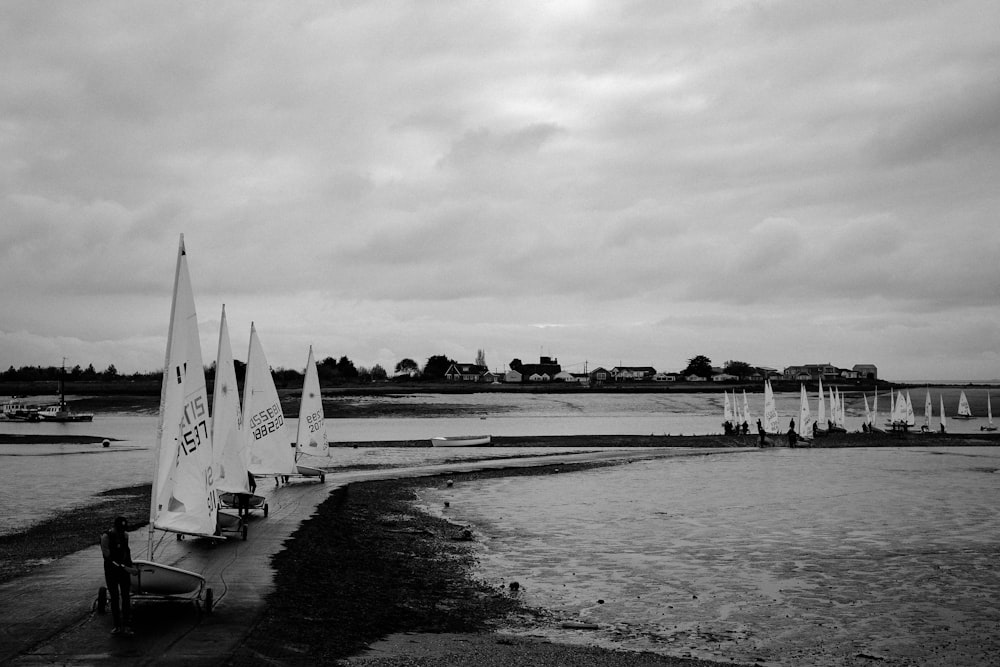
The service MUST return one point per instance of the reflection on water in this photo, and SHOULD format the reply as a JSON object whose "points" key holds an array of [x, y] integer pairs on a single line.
{"points": [[785, 557]]}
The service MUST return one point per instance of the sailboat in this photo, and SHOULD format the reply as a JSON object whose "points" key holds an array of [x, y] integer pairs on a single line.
{"points": [[944, 420], [310, 436], [727, 413], [770, 410], [264, 421], [963, 408], [836, 424], [228, 437], [821, 423], [805, 416], [911, 420], [928, 411], [989, 415], [873, 424], [62, 413], [183, 498]]}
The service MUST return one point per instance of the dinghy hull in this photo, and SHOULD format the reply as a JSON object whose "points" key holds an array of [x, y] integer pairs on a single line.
{"points": [[156, 579], [462, 441]]}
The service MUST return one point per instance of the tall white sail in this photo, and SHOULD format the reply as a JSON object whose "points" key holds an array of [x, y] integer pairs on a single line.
{"points": [[868, 413], [271, 451], [805, 415], [910, 417], [310, 437], [231, 451], [821, 407], [944, 420], [963, 407], [746, 407], [928, 409], [183, 498], [770, 410]]}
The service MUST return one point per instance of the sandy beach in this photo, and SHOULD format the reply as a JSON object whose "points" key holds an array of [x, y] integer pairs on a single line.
{"points": [[369, 580]]}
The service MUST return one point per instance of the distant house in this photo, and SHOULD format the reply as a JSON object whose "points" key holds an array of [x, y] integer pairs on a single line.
{"points": [[546, 367], [513, 376], [663, 376], [724, 377], [632, 373], [695, 378], [563, 376], [467, 373], [581, 378], [599, 376], [866, 371], [816, 372]]}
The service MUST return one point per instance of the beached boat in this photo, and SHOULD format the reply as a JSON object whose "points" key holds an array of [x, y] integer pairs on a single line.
{"points": [[873, 424], [19, 411], [836, 423], [964, 412], [989, 415], [928, 413], [60, 412], [264, 421], [462, 441], [770, 423], [183, 495], [229, 444], [310, 436]]}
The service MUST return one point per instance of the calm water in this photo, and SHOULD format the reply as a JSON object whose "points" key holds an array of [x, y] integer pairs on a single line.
{"points": [[785, 557]]}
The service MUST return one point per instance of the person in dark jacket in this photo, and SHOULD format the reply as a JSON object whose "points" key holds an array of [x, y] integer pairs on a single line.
{"points": [[118, 571]]}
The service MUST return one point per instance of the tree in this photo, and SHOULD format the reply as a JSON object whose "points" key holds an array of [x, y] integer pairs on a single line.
{"points": [[700, 366], [740, 369], [515, 365], [346, 368], [110, 373], [407, 366], [480, 358], [437, 366]]}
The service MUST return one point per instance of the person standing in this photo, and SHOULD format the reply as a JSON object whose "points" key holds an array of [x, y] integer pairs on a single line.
{"points": [[118, 574]]}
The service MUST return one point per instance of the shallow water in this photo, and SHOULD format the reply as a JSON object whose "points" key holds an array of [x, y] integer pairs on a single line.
{"points": [[783, 557]]}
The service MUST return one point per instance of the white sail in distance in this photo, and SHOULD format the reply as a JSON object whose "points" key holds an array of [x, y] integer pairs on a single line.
{"points": [[183, 498], [271, 451], [231, 450], [310, 435], [770, 410]]}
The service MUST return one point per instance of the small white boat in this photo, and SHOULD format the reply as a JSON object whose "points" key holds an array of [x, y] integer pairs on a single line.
{"points": [[462, 441], [989, 415], [963, 408], [60, 413]]}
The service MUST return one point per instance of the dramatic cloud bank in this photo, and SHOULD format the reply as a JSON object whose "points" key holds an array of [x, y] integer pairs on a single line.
{"points": [[604, 182]]}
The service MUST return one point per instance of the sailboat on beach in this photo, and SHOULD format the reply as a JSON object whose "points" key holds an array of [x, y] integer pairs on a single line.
{"points": [[805, 416], [770, 423], [944, 420], [271, 455], [232, 452], [310, 436], [183, 498]]}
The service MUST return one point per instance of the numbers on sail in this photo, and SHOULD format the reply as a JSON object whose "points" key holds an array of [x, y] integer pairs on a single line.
{"points": [[266, 421], [194, 427], [315, 421]]}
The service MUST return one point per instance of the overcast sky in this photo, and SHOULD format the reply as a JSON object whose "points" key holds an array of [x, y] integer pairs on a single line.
{"points": [[610, 182]]}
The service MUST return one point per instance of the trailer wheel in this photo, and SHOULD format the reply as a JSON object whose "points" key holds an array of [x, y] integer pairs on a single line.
{"points": [[265, 509], [102, 600], [209, 600]]}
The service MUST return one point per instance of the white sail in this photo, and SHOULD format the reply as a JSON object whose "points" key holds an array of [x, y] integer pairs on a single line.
{"points": [[963, 407], [910, 417], [821, 407], [868, 414], [770, 410], [310, 437], [271, 452], [805, 415], [183, 498], [746, 407], [727, 409], [989, 409], [928, 410], [944, 420], [231, 451]]}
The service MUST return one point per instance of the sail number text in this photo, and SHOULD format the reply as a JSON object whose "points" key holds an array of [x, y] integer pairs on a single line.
{"points": [[315, 421], [194, 427], [266, 421]]}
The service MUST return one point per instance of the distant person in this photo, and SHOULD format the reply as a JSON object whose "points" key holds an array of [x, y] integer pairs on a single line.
{"points": [[244, 498], [118, 571], [942, 429], [760, 432], [791, 424], [746, 427], [793, 437]]}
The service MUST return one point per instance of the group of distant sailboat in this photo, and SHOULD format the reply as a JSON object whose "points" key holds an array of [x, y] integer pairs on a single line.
{"points": [[203, 463], [901, 414]]}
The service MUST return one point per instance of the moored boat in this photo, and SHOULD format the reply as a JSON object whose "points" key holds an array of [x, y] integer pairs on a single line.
{"points": [[60, 413], [462, 441], [20, 411]]}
